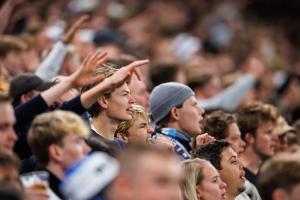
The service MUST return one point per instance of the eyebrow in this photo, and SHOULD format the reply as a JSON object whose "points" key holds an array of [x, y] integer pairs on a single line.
{"points": [[233, 157]]}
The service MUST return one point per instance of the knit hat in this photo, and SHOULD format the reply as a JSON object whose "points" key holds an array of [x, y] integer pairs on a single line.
{"points": [[90, 176], [166, 96]]}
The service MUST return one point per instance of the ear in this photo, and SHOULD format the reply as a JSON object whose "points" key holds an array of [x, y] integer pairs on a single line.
{"points": [[122, 136], [102, 102], [175, 113], [279, 194], [198, 192], [249, 139], [55, 152]]}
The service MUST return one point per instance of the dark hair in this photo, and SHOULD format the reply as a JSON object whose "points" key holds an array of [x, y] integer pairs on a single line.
{"points": [[217, 124], [163, 72], [212, 152], [281, 171], [251, 116]]}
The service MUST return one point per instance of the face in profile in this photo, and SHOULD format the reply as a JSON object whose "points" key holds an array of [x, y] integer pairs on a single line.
{"points": [[211, 187], [234, 138], [119, 104], [232, 172], [265, 140], [189, 116]]}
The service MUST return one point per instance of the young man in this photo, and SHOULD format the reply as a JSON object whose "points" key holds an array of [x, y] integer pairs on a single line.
{"points": [[8, 136], [223, 125], [279, 178], [175, 112], [58, 141], [111, 108], [225, 160], [257, 121]]}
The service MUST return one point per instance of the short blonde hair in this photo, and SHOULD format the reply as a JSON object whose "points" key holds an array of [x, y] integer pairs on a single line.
{"points": [[138, 111], [50, 128], [193, 176]]}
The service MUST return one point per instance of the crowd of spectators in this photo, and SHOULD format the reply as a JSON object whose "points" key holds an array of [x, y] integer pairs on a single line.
{"points": [[158, 100]]}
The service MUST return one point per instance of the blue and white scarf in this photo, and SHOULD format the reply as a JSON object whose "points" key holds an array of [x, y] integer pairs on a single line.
{"points": [[181, 141]]}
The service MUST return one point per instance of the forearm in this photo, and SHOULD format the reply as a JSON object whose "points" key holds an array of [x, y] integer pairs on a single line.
{"points": [[57, 90], [51, 65], [89, 97], [5, 12], [230, 98]]}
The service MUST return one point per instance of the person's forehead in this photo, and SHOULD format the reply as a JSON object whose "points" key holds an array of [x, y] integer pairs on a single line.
{"points": [[228, 153], [7, 112]]}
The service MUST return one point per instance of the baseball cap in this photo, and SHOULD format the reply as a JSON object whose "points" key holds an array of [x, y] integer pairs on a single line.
{"points": [[24, 83]]}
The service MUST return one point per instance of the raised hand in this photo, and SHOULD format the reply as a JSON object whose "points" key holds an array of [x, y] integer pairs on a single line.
{"points": [[203, 139], [124, 74], [69, 35], [85, 74]]}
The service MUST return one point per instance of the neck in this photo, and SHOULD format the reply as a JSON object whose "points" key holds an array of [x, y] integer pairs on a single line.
{"points": [[55, 169], [105, 125], [251, 160]]}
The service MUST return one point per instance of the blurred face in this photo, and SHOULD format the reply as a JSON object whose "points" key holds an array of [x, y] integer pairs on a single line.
{"points": [[119, 104], [139, 92], [8, 136], [294, 193], [234, 138], [140, 131], [212, 187], [10, 174], [265, 141], [73, 149], [158, 178], [232, 172], [190, 116]]}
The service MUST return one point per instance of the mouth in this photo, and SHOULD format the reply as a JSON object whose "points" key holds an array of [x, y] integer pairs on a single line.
{"points": [[242, 177], [130, 111], [223, 195]]}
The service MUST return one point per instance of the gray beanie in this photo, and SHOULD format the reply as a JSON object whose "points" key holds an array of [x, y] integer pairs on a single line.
{"points": [[166, 96]]}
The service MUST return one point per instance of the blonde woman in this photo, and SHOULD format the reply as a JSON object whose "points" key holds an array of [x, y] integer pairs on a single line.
{"points": [[136, 130], [201, 181]]}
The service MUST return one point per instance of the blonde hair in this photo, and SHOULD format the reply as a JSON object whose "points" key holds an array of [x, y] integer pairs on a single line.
{"points": [[193, 177], [138, 111], [50, 128]]}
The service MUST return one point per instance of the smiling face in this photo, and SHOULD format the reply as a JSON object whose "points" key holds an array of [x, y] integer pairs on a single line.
{"points": [[189, 116], [211, 187], [232, 172], [265, 140], [119, 104]]}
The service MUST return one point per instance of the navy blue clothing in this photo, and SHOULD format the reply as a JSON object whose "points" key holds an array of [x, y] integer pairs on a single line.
{"points": [[26, 112]]}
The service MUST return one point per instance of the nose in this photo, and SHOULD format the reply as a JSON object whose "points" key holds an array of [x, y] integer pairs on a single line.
{"points": [[201, 110], [131, 99], [222, 185], [12, 134], [150, 130], [242, 144]]}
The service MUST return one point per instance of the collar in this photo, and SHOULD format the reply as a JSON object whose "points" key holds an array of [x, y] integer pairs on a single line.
{"points": [[175, 134]]}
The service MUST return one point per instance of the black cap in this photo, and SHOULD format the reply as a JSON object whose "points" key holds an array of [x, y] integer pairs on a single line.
{"points": [[24, 83]]}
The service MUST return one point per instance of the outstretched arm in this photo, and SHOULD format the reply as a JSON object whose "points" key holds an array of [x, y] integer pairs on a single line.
{"points": [[51, 65], [124, 74], [81, 77]]}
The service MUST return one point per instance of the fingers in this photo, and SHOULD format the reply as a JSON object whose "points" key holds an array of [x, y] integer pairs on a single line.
{"points": [[80, 22], [95, 59]]}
